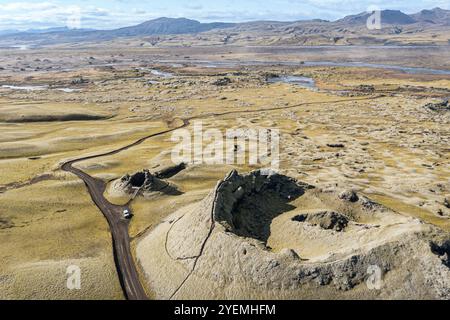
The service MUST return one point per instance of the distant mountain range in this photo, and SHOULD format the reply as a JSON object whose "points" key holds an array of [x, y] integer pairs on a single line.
{"points": [[389, 17], [164, 26], [160, 26], [39, 31], [418, 22], [435, 16]]}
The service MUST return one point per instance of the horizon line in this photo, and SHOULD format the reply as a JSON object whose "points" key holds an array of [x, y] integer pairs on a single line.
{"points": [[64, 26]]}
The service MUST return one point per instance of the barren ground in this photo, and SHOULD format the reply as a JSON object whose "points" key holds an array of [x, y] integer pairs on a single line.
{"points": [[391, 148]]}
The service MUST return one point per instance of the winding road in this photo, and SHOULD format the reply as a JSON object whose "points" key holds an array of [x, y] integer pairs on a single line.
{"points": [[126, 268]]}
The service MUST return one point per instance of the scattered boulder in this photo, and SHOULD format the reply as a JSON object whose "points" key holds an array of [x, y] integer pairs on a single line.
{"points": [[300, 218], [336, 145], [371, 205], [6, 223], [349, 195], [290, 254], [270, 75], [222, 82], [79, 80], [143, 182], [366, 88], [440, 106], [328, 220], [442, 250]]}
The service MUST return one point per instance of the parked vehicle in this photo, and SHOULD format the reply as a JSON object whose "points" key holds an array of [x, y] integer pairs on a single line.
{"points": [[127, 214]]}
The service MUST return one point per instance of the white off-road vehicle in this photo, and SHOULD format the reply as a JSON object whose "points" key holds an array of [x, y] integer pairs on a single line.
{"points": [[127, 214]]}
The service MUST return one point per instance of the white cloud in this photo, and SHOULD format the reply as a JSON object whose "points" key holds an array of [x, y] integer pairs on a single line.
{"points": [[24, 15], [108, 14], [27, 6]]}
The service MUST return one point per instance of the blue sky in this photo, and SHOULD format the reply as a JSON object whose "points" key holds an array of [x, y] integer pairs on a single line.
{"points": [[109, 14]]}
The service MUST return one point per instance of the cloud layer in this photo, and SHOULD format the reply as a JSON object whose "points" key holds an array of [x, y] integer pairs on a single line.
{"points": [[109, 14]]}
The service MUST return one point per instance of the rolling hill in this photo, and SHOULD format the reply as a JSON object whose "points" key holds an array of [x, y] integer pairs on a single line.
{"points": [[427, 24]]}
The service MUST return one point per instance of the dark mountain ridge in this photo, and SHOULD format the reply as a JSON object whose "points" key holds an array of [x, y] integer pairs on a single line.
{"points": [[178, 26]]}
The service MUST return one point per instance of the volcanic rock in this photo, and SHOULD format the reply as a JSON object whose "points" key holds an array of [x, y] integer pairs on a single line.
{"points": [[243, 241]]}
